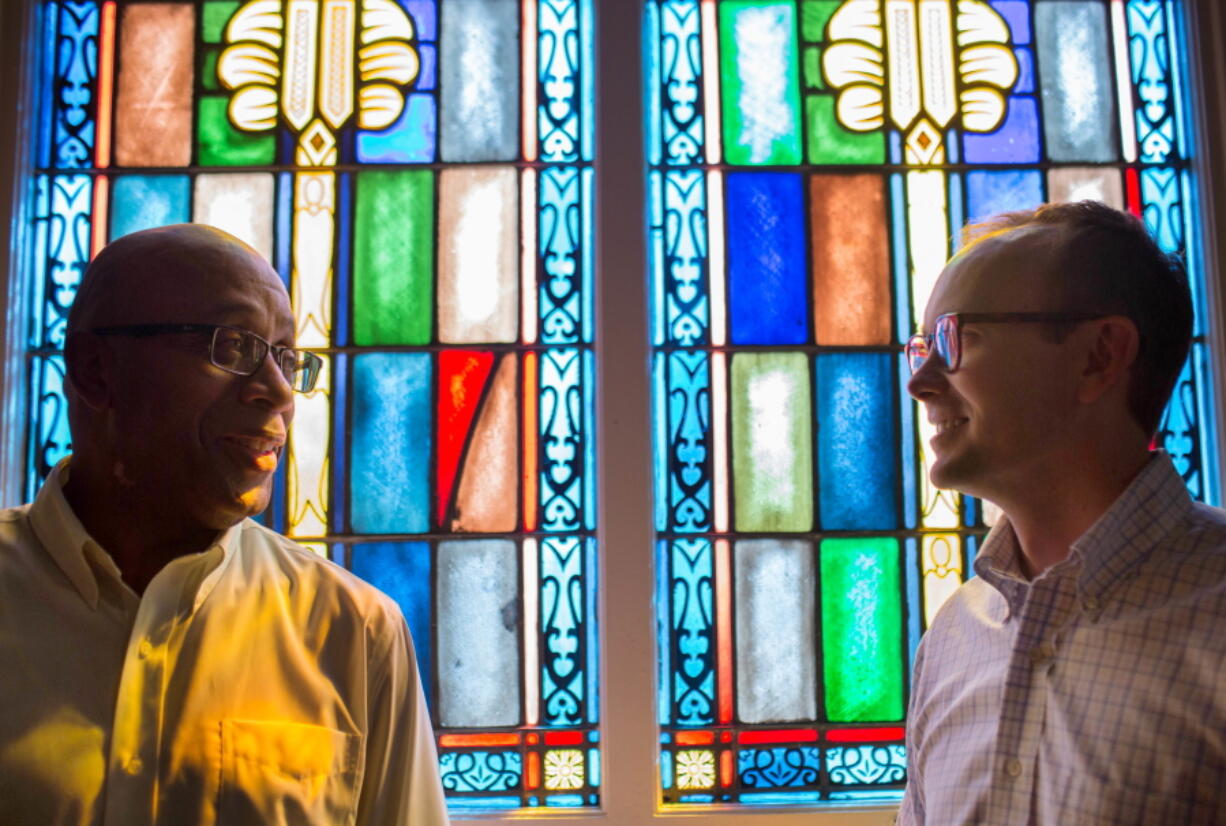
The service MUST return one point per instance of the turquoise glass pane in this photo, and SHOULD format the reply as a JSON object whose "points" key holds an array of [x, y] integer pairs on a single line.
{"points": [[776, 673], [402, 570], [1078, 92], [391, 442], [478, 633], [143, 201], [480, 81], [411, 139], [767, 266], [856, 460]]}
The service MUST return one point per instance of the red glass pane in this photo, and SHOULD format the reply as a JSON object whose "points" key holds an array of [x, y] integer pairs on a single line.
{"points": [[461, 378]]}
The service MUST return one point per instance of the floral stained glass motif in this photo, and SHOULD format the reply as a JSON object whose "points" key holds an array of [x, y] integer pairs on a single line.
{"points": [[423, 183], [809, 163]]}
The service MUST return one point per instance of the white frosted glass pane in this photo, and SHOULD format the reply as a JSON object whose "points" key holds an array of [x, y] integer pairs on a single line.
{"points": [[241, 204], [776, 670], [1077, 87], [480, 80], [1079, 183], [478, 631], [478, 282]]}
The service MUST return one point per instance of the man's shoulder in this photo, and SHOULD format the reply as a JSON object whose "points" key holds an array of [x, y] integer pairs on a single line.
{"points": [[267, 552]]}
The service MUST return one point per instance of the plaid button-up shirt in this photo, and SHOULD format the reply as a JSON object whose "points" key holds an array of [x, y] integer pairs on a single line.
{"points": [[1094, 694]]}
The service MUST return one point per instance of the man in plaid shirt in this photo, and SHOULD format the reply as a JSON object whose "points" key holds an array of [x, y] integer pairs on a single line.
{"points": [[1080, 677]]}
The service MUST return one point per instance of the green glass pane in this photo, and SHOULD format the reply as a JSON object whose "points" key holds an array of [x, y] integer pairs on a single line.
{"points": [[814, 15], [830, 143], [760, 72], [393, 257], [220, 144], [208, 71], [213, 19], [813, 68], [862, 656], [772, 445]]}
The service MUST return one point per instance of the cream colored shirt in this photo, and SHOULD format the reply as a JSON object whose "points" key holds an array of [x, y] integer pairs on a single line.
{"points": [[253, 683]]}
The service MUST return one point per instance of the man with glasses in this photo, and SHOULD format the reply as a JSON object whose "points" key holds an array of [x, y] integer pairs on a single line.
{"points": [[1080, 676], [165, 658]]}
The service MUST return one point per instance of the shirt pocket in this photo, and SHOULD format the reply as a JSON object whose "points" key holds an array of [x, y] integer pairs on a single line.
{"points": [[286, 774]]}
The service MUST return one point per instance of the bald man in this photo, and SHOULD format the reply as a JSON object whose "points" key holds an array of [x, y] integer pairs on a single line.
{"points": [[166, 659]]}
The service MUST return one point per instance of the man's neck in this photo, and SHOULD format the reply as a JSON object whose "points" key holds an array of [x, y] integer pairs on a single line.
{"points": [[137, 531], [1052, 516]]}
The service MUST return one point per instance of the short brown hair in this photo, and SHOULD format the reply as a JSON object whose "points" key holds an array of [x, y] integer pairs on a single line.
{"points": [[1110, 263]]}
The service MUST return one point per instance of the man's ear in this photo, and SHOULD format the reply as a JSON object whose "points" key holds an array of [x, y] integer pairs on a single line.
{"points": [[89, 364], [1112, 352]]}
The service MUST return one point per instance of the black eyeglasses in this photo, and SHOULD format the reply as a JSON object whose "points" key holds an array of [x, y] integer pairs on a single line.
{"points": [[946, 336], [235, 350]]}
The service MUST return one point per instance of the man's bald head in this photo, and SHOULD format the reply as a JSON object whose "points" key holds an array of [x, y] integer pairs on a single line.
{"points": [[138, 268]]}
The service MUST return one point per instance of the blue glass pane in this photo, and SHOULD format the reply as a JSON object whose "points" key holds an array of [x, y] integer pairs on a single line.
{"points": [[766, 258], [687, 409], [1017, 14], [864, 765], [988, 193], [1078, 92], [1025, 71], [402, 571], [50, 439], [409, 140], [481, 771], [71, 54], [561, 294], [480, 81], [778, 767], [391, 439], [425, 17], [1015, 141], [563, 628], [427, 73], [857, 464], [562, 440], [691, 638], [143, 201]]}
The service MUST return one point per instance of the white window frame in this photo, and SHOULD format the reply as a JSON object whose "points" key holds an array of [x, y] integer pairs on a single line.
{"points": [[630, 739]]}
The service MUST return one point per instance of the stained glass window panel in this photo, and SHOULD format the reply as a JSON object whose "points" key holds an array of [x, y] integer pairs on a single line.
{"points": [[420, 175], [810, 166]]}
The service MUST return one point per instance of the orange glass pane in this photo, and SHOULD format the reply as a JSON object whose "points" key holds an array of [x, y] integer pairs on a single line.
{"points": [[503, 739], [850, 260], [153, 104], [485, 501], [694, 738]]}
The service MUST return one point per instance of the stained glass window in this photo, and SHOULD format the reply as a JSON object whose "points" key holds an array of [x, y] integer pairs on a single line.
{"points": [[809, 162], [420, 173]]}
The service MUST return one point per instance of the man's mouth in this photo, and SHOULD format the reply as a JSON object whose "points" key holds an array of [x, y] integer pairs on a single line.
{"points": [[261, 452], [946, 425]]}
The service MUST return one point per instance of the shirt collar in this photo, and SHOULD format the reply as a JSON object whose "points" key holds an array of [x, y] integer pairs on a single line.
{"points": [[73, 550], [1149, 509], [1152, 505]]}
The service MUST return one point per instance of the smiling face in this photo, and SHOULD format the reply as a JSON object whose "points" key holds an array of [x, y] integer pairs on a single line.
{"points": [[1006, 417], [202, 442]]}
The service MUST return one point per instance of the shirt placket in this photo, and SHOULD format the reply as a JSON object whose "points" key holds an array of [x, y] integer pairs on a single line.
{"points": [[137, 733], [1045, 609]]}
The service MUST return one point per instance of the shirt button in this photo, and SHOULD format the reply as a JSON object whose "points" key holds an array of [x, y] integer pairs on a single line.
{"points": [[144, 650], [1013, 768], [133, 766], [1090, 604]]}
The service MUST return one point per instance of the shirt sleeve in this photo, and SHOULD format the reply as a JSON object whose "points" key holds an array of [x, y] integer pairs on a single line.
{"points": [[911, 813], [400, 786]]}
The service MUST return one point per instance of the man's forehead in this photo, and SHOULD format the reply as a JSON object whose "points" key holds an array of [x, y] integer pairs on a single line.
{"points": [[206, 280], [1014, 271]]}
